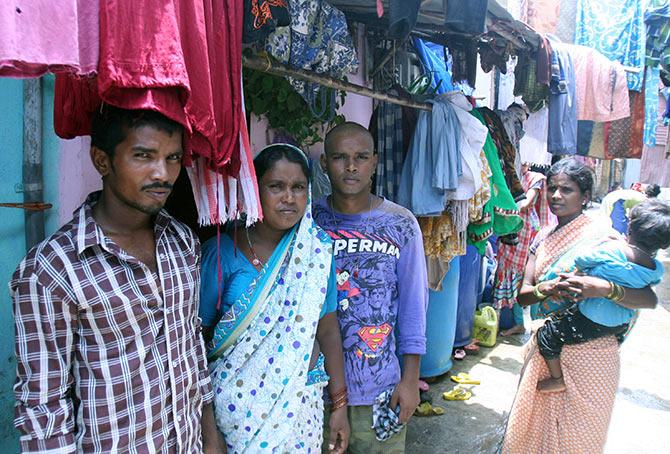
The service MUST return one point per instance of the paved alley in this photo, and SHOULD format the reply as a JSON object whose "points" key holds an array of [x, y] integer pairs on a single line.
{"points": [[641, 419]]}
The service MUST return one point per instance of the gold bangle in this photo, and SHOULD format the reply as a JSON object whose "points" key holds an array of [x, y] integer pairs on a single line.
{"points": [[620, 294], [538, 294], [339, 404]]}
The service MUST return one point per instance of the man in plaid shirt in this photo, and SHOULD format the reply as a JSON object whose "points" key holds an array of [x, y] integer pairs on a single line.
{"points": [[110, 358]]}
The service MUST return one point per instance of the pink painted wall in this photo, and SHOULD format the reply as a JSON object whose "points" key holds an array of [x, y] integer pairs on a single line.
{"points": [[77, 176]]}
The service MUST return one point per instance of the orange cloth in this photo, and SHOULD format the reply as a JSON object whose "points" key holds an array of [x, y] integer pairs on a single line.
{"points": [[573, 421]]}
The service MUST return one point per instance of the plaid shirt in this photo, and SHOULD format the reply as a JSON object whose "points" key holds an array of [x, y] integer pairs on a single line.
{"points": [[109, 354]]}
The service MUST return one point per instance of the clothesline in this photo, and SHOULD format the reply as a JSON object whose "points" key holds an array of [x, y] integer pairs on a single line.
{"points": [[279, 69]]}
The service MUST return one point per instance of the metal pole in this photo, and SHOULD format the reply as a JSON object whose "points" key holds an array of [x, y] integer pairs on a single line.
{"points": [[32, 159]]}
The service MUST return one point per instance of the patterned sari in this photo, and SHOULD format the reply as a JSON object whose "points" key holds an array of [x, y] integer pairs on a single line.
{"points": [[261, 350], [576, 420]]}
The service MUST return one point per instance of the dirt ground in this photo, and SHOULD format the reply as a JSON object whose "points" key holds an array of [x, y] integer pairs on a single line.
{"points": [[641, 419]]}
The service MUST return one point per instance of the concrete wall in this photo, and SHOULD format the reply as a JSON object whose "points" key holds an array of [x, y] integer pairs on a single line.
{"points": [[12, 245], [68, 177]]}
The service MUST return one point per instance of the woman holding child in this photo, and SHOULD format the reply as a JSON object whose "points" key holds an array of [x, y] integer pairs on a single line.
{"points": [[575, 417]]}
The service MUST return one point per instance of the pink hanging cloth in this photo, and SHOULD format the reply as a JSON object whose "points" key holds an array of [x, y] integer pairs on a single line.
{"points": [[40, 36], [185, 61]]}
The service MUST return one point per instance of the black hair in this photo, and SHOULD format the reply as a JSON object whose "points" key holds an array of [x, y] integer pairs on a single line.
{"points": [[653, 190], [111, 125], [649, 225], [267, 158], [579, 173], [348, 127]]}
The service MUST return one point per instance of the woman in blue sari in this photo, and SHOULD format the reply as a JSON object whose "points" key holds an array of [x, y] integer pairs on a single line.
{"points": [[268, 292]]}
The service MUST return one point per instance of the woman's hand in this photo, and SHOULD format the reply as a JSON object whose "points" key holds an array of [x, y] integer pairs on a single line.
{"points": [[555, 288], [581, 286], [339, 431]]}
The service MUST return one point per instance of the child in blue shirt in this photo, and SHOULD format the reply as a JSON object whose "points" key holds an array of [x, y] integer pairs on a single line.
{"points": [[630, 264]]}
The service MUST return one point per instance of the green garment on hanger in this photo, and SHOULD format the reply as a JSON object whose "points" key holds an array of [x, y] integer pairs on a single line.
{"points": [[501, 214]]}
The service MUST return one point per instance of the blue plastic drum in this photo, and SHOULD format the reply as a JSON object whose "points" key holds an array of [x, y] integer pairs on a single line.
{"points": [[468, 289], [441, 324]]}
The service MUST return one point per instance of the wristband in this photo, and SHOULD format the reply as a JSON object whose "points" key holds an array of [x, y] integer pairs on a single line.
{"points": [[538, 294]]}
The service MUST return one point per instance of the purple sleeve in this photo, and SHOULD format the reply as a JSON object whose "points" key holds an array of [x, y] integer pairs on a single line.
{"points": [[412, 296]]}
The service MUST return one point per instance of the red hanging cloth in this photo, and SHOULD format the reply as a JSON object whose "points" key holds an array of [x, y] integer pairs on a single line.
{"points": [[182, 58]]}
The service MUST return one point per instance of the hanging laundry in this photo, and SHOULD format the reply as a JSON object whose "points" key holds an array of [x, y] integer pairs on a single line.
{"points": [[533, 144], [655, 166], [433, 165], [402, 17], [601, 85], [584, 136], [506, 85], [562, 103], [262, 17], [317, 40], [477, 203], [652, 83], [624, 138], [616, 29], [466, 16], [506, 151], [501, 209], [464, 61], [657, 21], [597, 147], [472, 139], [543, 61], [494, 54], [164, 62], [442, 242], [513, 119], [526, 85], [542, 15], [567, 18], [434, 66], [46, 36], [512, 259], [388, 135]]}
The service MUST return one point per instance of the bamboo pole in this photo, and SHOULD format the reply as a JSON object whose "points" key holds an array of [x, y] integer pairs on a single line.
{"points": [[279, 69]]}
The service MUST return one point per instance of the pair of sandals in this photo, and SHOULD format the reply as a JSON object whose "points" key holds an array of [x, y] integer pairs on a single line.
{"points": [[460, 392]]}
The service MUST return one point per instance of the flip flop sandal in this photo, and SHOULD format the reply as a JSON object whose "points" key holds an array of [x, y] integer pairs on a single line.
{"points": [[471, 348], [457, 393], [464, 379], [459, 354], [426, 409]]}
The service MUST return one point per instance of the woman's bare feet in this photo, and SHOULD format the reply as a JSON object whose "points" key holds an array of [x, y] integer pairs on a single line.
{"points": [[551, 385], [516, 329]]}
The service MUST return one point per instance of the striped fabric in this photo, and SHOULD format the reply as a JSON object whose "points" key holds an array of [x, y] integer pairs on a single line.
{"points": [[109, 354]]}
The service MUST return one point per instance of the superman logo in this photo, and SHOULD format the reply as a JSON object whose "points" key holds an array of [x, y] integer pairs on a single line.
{"points": [[374, 336]]}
